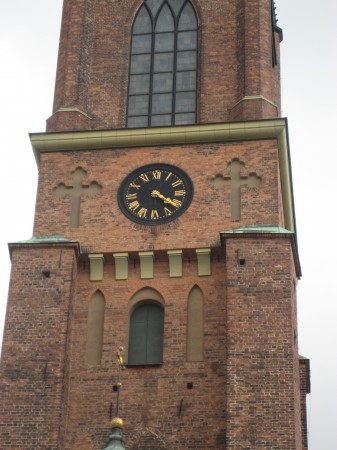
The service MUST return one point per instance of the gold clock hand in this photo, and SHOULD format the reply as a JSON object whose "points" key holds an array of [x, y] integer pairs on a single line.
{"points": [[171, 202], [166, 199], [157, 194]]}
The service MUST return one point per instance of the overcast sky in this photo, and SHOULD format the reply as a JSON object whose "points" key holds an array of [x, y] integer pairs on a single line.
{"points": [[29, 33]]}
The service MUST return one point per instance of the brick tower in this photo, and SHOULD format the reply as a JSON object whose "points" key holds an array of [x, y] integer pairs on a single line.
{"points": [[164, 224]]}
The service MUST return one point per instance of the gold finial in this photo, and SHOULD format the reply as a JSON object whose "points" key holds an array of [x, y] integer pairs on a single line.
{"points": [[117, 422]]}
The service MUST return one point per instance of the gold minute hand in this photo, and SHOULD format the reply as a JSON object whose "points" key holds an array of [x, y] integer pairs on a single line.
{"points": [[166, 199]]}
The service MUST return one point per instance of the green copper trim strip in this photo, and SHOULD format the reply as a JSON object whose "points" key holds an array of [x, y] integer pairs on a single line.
{"points": [[258, 229], [52, 239]]}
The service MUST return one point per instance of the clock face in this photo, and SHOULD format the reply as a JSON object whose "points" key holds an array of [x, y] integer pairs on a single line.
{"points": [[155, 194]]}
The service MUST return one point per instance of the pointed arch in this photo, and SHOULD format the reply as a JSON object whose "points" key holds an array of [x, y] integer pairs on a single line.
{"points": [[95, 329], [164, 20], [163, 65], [143, 22], [145, 294], [195, 325]]}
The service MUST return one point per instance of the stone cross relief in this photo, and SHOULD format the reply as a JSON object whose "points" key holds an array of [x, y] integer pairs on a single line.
{"points": [[75, 192], [235, 181]]}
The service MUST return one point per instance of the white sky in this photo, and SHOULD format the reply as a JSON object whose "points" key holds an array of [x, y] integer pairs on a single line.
{"points": [[29, 33]]}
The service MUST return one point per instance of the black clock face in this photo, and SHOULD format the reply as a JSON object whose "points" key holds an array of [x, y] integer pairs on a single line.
{"points": [[155, 194]]}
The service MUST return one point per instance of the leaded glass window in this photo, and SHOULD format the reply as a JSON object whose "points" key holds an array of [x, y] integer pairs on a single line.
{"points": [[163, 65]]}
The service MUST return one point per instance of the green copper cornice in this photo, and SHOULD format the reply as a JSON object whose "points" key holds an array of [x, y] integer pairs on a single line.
{"points": [[140, 137], [52, 239], [55, 240]]}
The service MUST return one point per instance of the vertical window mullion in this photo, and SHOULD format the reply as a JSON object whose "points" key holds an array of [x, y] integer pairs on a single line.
{"points": [[174, 81], [196, 78], [152, 71]]}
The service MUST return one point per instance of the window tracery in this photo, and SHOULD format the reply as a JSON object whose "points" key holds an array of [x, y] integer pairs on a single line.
{"points": [[163, 65]]}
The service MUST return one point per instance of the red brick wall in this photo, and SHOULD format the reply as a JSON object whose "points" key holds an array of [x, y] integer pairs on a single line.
{"points": [[263, 408], [246, 392], [305, 389], [34, 355], [235, 61], [104, 227], [151, 397]]}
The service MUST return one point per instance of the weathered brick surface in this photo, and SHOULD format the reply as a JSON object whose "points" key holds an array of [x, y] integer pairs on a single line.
{"points": [[305, 389], [235, 61], [152, 397], [35, 346], [247, 392], [103, 227], [263, 408], [243, 391]]}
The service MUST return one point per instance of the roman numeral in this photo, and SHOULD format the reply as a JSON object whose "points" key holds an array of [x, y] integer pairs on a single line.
{"points": [[134, 185], [133, 206], [156, 174], [142, 213], [154, 214], [177, 183], [168, 212], [144, 177], [181, 193], [168, 176], [131, 196]]}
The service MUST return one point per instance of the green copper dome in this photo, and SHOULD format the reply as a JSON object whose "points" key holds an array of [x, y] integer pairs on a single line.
{"points": [[116, 441]]}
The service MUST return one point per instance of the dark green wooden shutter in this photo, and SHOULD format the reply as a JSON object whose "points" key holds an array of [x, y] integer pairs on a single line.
{"points": [[146, 335]]}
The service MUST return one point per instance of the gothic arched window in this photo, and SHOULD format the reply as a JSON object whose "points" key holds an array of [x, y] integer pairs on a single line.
{"points": [[146, 335], [163, 65]]}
